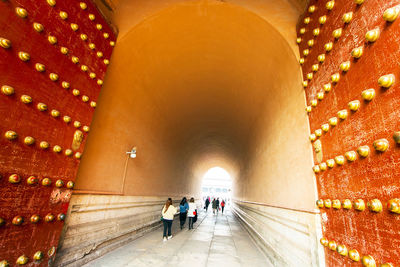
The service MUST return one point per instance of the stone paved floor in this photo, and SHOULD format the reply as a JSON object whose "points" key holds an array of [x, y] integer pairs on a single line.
{"points": [[217, 241]]}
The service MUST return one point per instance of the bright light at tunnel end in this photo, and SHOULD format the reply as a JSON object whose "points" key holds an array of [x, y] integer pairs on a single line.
{"points": [[217, 173], [217, 183]]}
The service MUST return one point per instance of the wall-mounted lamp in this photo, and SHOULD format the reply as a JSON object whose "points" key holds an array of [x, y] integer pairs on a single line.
{"points": [[132, 153]]}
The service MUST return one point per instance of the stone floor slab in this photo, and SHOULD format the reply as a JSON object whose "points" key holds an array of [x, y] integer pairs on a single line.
{"points": [[216, 240]]}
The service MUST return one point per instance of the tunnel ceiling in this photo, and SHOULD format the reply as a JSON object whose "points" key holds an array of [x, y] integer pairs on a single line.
{"points": [[282, 14], [207, 70]]}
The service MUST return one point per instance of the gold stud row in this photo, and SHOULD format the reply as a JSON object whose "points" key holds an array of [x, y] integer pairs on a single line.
{"points": [[380, 145], [37, 257], [385, 81], [44, 145], [24, 56], [33, 180], [353, 254], [374, 205], [34, 219], [370, 36], [26, 99]]}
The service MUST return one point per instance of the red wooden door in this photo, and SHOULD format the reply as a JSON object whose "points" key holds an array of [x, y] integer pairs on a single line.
{"points": [[351, 61], [53, 58]]}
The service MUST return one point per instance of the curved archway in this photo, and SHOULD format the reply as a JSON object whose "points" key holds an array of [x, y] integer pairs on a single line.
{"points": [[202, 80], [200, 84]]}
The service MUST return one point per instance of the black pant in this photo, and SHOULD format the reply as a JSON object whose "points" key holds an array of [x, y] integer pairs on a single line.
{"points": [[191, 222], [167, 225], [222, 209], [182, 218]]}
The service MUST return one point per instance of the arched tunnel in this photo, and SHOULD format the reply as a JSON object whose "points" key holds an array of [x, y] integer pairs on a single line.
{"points": [[192, 85]]}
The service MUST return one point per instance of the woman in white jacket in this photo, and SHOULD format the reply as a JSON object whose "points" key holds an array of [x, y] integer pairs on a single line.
{"points": [[168, 213], [191, 212]]}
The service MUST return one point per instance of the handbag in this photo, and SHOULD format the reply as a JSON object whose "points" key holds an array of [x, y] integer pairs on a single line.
{"points": [[162, 218], [195, 217]]}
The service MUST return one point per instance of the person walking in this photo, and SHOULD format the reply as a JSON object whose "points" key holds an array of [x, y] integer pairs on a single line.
{"points": [[214, 205], [192, 212], [183, 209], [217, 204], [207, 203], [168, 213], [223, 206]]}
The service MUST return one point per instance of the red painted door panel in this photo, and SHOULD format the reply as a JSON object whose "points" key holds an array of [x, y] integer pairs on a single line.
{"points": [[376, 176], [73, 46]]}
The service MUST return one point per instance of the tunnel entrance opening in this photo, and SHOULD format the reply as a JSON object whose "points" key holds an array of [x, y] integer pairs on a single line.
{"points": [[217, 184]]}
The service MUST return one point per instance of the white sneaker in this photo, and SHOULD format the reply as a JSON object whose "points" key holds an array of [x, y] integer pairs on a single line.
{"points": [[169, 237], [164, 239]]}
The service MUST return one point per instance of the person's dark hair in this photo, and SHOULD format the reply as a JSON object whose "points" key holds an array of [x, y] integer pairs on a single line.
{"points": [[167, 204], [192, 200], [183, 201]]}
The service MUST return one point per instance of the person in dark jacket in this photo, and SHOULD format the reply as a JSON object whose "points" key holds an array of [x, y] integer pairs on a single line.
{"points": [[214, 205], [183, 209], [217, 204], [207, 203]]}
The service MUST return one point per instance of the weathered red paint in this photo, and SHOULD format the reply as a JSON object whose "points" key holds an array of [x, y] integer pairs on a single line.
{"points": [[16, 157], [377, 175]]}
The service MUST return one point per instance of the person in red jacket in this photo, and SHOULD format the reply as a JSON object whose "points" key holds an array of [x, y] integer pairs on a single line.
{"points": [[223, 206]]}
